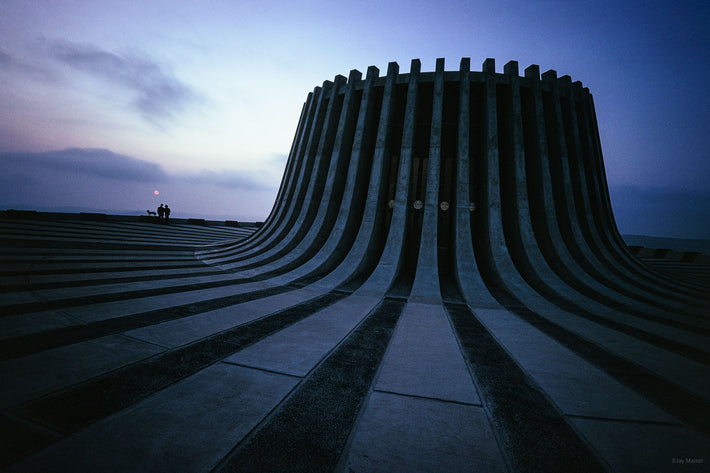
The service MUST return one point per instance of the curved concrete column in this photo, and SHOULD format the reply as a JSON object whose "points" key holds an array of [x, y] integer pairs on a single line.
{"points": [[390, 261], [466, 270], [366, 324], [354, 192], [279, 213], [540, 221], [300, 208], [327, 198], [426, 278]]}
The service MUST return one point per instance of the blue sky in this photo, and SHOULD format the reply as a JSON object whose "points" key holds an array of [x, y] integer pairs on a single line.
{"points": [[104, 102]]}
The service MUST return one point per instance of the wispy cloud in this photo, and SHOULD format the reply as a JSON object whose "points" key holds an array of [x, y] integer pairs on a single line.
{"points": [[96, 162], [102, 179], [227, 179], [107, 164], [157, 94], [24, 69], [5, 59]]}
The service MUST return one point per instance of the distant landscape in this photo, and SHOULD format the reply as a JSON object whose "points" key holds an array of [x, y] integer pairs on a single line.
{"points": [[175, 213], [677, 244]]}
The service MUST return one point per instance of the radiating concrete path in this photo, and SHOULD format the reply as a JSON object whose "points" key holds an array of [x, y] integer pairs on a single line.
{"points": [[356, 331], [188, 389]]}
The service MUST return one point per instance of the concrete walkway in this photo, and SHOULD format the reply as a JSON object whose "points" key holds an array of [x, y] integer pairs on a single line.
{"points": [[128, 358]]}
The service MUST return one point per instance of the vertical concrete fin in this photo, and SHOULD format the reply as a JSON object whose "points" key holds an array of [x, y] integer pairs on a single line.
{"points": [[601, 191], [322, 158], [528, 260], [519, 228], [466, 271], [549, 75], [488, 218], [597, 179], [583, 155], [532, 71], [306, 205], [360, 255], [540, 181], [568, 213], [391, 258], [290, 163], [597, 236], [600, 220], [280, 222], [559, 167], [492, 245], [354, 194], [307, 155], [366, 117], [542, 192], [599, 165], [489, 66], [511, 68], [578, 209], [426, 280], [328, 200], [340, 155]]}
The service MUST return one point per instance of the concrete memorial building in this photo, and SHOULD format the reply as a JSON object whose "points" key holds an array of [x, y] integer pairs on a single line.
{"points": [[440, 286]]}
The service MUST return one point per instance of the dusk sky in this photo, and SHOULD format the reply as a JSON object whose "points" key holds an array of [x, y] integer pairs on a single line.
{"points": [[104, 102]]}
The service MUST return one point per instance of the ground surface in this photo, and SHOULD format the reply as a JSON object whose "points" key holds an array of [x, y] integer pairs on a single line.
{"points": [[121, 350]]}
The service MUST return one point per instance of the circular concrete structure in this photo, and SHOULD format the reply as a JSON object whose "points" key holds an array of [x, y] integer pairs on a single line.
{"points": [[478, 199], [492, 181], [439, 287]]}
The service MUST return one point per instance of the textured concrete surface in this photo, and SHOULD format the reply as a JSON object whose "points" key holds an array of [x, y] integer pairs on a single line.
{"points": [[400, 433], [422, 411], [501, 324], [210, 410]]}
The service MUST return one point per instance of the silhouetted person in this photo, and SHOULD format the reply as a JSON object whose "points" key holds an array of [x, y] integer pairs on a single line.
{"points": [[161, 212], [166, 210]]}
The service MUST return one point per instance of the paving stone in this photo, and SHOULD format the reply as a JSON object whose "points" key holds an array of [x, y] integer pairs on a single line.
{"points": [[34, 375], [406, 434], [424, 359], [652, 448], [575, 385], [296, 349], [187, 427]]}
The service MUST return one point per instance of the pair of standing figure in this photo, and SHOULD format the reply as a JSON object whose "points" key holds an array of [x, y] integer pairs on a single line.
{"points": [[164, 212]]}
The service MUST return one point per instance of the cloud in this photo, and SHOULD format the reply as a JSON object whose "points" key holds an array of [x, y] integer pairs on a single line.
{"points": [[157, 94], [96, 162], [228, 179], [101, 179], [23, 69], [5, 59], [107, 164]]}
